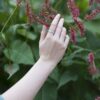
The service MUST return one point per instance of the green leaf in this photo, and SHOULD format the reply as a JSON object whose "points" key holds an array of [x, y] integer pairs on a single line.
{"points": [[3, 16], [22, 29], [11, 69], [93, 26], [92, 40], [19, 53], [27, 34], [55, 75], [48, 92], [67, 77]]}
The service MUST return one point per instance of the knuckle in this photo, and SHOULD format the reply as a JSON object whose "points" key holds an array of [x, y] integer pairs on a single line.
{"points": [[53, 25], [48, 37], [60, 42], [55, 40], [63, 46]]}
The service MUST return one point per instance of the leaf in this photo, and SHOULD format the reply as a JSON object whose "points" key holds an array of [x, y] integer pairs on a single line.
{"points": [[3, 16], [22, 29], [92, 40], [48, 92], [67, 77], [11, 69], [19, 53], [69, 60], [27, 34], [93, 26], [55, 75], [69, 19]]}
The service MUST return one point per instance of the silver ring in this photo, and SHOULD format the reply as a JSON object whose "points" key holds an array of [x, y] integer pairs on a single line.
{"points": [[50, 31]]}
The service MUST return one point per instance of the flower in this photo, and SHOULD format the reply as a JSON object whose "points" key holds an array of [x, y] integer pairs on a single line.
{"points": [[18, 2], [98, 98], [73, 8], [92, 14], [29, 12], [92, 67], [75, 13], [91, 57], [73, 35], [80, 26], [91, 2]]}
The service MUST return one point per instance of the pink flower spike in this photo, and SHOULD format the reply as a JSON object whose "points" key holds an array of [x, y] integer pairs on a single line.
{"points": [[91, 57], [98, 98], [29, 12], [73, 35], [18, 2], [73, 8], [80, 26], [91, 2], [92, 69]]}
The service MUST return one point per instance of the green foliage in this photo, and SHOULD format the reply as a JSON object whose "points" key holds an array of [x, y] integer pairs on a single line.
{"points": [[19, 51], [20, 55]]}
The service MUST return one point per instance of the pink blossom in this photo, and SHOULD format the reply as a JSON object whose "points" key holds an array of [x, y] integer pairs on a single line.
{"points": [[73, 35], [18, 2], [91, 57], [29, 12], [93, 14], [92, 69], [80, 26], [98, 98], [73, 8]]}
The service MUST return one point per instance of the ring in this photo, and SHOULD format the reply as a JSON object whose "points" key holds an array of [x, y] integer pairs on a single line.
{"points": [[50, 31]]}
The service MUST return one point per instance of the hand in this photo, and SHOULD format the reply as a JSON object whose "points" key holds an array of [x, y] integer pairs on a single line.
{"points": [[53, 41]]}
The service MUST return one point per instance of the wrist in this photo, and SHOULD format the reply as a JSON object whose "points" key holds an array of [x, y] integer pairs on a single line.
{"points": [[47, 62]]}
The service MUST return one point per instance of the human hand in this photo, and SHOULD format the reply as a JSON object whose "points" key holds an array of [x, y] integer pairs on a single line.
{"points": [[53, 41]]}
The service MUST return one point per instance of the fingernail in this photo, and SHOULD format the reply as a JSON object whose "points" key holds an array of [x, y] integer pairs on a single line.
{"points": [[62, 19], [64, 29], [67, 37], [58, 15]]}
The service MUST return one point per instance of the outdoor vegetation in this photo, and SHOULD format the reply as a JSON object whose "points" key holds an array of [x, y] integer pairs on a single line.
{"points": [[77, 76]]}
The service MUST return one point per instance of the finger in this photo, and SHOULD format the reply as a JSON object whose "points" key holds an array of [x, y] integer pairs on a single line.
{"points": [[59, 28], [66, 41], [63, 35], [54, 25], [43, 33]]}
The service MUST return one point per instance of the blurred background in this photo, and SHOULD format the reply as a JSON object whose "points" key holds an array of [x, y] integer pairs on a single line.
{"points": [[19, 50]]}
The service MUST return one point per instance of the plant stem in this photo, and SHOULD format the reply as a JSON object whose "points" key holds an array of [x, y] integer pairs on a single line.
{"points": [[8, 19], [5, 40]]}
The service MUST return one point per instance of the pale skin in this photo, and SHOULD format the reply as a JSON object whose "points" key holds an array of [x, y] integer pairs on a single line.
{"points": [[52, 46]]}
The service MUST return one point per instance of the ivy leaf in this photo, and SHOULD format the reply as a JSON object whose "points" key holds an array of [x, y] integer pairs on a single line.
{"points": [[19, 53]]}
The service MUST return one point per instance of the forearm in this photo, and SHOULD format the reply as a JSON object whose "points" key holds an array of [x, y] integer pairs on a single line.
{"points": [[30, 84]]}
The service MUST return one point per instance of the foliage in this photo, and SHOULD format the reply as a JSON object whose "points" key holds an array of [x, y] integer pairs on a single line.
{"points": [[71, 79]]}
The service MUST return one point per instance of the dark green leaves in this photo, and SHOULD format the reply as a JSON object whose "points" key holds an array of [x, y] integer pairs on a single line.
{"points": [[48, 92], [67, 77], [19, 53]]}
